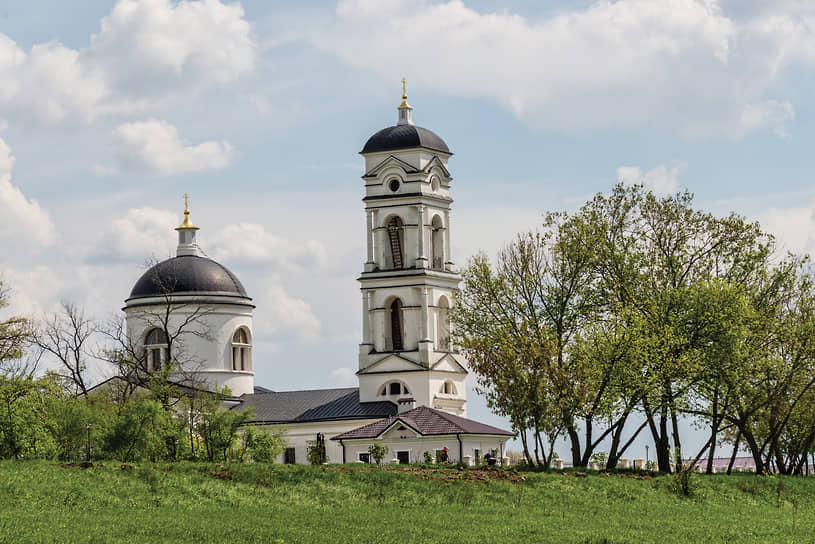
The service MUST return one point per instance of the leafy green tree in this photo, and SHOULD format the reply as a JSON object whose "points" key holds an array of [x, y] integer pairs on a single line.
{"points": [[14, 334], [23, 433], [263, 446], [218, 427], [377, 452], [139, 430]]}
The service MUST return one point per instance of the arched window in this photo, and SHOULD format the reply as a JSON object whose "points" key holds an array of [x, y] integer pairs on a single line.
{"points": [[241, 350], [437, 243], [443, 325], [395, 329], [396, 241], [448, 388], [155, 348], [393, 388]]}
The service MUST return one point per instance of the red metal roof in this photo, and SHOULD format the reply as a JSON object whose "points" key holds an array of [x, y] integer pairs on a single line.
{"points": [[427, 422]]}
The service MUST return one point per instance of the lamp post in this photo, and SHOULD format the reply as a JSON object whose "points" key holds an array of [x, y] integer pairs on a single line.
{"points": [[646, 456], [88, 426]]}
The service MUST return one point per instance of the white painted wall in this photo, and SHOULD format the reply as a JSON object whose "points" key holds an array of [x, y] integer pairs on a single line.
{"points": [[418, 445], [205, 357]]}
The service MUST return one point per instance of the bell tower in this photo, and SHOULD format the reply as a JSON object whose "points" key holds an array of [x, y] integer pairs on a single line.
{"points": [[408, 278]]}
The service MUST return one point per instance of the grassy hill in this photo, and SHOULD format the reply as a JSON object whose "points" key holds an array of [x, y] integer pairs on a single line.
{"points": [[47, 502]]}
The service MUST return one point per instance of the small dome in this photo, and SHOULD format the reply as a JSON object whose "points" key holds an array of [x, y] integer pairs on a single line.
{"points": [[188, 275], [403, 137]]}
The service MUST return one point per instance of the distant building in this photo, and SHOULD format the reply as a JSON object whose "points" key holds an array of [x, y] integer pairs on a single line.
{"points": [[412, 394]]}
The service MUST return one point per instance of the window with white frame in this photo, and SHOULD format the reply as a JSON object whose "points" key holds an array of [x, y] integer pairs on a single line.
{"points": [[393, 388], [156, 349], [448, 388], [241, 350]]}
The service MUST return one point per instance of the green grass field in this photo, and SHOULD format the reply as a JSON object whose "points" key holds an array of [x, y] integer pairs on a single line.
{"points": [[44, 502]]}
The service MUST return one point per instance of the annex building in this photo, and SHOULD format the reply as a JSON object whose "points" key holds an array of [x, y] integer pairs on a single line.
{"points": [[412, 395]]}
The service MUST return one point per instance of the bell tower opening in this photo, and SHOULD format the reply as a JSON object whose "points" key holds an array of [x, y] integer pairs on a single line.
{"points": [[396, 239], [395, 314]]}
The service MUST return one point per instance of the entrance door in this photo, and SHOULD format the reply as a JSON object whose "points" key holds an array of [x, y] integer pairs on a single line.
{"points": [[404, 457]]}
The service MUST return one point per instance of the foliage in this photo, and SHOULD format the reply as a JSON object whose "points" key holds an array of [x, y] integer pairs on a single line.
{"points": [[642, 303], [23, 434], [14, 334], [263, 446], [428, 457], [218, 428], [316, 451], [599, 457], [377, 452], [139, 431]]}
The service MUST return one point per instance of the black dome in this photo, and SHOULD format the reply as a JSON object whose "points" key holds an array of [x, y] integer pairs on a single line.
{"points": [[188, 274], [402, 137]]}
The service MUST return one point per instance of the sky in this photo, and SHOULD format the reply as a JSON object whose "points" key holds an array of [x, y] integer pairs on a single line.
{"points": [[111, 111]]}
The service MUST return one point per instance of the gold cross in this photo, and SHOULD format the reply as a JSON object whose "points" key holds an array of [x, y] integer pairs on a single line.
{"points": [[404, 91], [186, 203]]}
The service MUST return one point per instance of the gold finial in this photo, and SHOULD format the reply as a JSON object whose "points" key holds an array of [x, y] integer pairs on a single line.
{"points": [[404, 103], [187, 224]]}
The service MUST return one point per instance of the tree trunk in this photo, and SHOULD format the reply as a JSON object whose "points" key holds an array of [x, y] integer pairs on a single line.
{"points": [[735, 453]]}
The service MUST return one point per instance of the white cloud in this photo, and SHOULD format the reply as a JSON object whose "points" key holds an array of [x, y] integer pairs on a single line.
{"points": [[250, 243], [661, 179], [146, 52], [344, 377], [138, 234], [794, 227], [147, 41], [679, 63], [154, 147], [22, 221], [286, 317]]}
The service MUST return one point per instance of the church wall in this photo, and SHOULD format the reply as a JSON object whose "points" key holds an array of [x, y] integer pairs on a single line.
{"points": [[417, 446], [204, 348], [300, 435]]}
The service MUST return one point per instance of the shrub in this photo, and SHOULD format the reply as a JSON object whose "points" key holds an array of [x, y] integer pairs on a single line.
{"points": [[378, 452], [684, 482], [428, 458]]}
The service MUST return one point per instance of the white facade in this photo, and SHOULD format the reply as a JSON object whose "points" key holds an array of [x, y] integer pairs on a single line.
{"points": [[460, 448], [204, 349], [408, 281]]}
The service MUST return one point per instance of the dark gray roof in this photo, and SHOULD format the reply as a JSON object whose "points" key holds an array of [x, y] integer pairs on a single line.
{"points": [[313, 405], [403, 137], [188, 274], [427, 422]]}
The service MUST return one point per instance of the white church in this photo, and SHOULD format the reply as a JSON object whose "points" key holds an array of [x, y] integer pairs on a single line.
{"points": [[412, 395]]}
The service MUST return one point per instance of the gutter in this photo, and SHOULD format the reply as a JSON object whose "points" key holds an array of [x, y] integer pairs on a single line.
{"points": [[460, 448], [343, 452]]}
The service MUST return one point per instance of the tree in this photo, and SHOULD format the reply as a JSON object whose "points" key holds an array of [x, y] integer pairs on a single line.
{"points": [[377, 452], [542, 352], [633, 303], [263, 446], [64, 335], [14, 334], [218, 428]]}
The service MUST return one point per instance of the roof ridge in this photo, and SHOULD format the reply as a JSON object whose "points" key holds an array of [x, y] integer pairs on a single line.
{"points": [[313, 390]]}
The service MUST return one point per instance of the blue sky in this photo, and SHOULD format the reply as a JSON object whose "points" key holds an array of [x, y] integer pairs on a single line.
{"points": [[110, 111]]}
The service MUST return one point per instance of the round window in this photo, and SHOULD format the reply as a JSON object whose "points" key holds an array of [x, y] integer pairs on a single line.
{"points": [[393, 185]]}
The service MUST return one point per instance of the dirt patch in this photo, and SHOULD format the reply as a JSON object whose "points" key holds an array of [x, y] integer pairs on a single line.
{"points": [[484, 474], [223, 473], [84, 464]]}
